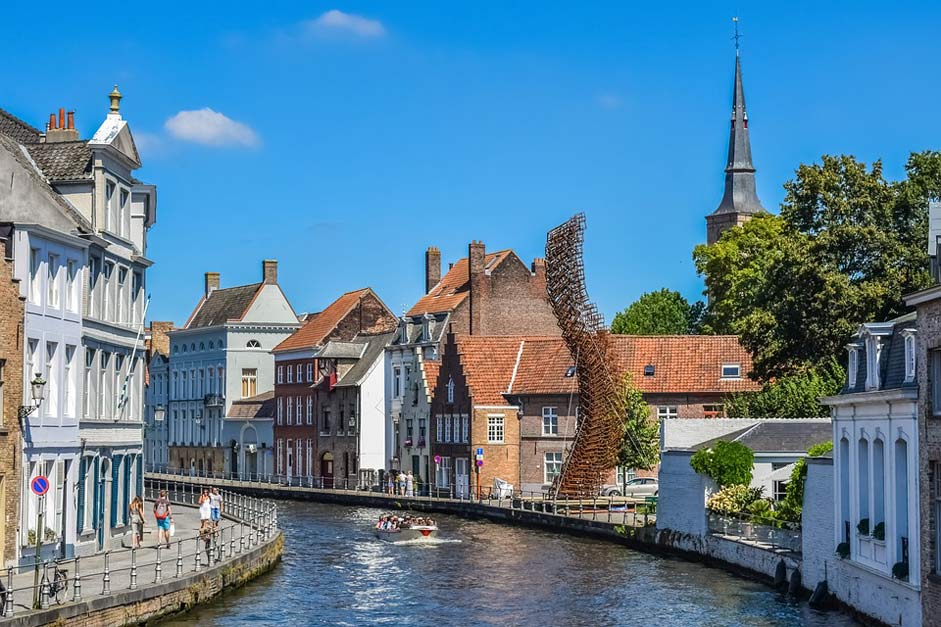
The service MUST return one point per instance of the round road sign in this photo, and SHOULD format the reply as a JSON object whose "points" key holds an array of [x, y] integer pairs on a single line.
{"points": [[39, 485], [480, 462], [437, 459]]}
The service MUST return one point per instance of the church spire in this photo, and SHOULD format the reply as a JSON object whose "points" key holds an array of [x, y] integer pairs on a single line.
{"points": [[740, 200]]}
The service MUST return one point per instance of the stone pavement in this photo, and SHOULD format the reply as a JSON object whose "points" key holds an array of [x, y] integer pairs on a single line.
{"points": [[180, 559]]}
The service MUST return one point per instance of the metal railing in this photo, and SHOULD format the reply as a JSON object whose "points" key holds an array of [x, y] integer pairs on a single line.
{"points": [[247, 523], [627, 511], [758, 529]]}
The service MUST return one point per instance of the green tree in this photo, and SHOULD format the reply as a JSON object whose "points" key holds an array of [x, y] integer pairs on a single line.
{"points": [[845, 248], [726, 463], [792, 505], [641, 441], [664, 312], [792, 396]]}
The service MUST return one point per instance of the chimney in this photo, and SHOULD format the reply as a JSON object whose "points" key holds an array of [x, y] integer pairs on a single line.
{"points": [[159, 337], [212, 282], [61, 130], [432, 267], [539, 275], [476, 255], [269, 271]]}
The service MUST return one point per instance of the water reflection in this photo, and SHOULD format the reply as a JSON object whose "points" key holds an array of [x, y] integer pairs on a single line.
{"points": [[336, 573]]}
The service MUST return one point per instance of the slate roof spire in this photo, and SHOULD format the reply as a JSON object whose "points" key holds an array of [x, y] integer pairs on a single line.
{"points": [[740, 200]]}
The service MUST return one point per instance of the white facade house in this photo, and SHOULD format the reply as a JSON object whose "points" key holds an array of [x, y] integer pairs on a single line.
{"points": [[875, 463], [222, 354]]}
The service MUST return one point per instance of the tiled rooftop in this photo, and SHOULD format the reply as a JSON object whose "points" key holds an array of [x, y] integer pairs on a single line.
{"points": [[453, 287]]}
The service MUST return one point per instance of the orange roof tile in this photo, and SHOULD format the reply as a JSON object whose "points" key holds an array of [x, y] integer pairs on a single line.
{"points": [[454, 287], [430, 370], [488, 363], [318, 327]]}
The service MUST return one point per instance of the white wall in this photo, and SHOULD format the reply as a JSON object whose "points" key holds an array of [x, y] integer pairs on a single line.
{"points": [[681, 505], [372, 421], [688, 432]]}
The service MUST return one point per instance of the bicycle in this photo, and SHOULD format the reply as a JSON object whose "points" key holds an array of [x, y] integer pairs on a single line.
{"points": [[59, 584]]}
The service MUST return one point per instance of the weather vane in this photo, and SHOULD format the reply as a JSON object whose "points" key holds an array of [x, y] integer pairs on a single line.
{"points": [[736, 36]]}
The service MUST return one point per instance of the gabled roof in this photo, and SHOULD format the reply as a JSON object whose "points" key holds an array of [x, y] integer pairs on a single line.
{"points": [[260, 406], [454, 287], [778, 436], [319, 327], [341, 350], [430, 369], [488, 364], [17, 129], [374, 350], [222, 305], [63, 161]]}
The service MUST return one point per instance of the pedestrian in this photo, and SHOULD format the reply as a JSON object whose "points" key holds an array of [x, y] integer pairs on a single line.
{"points": [[391, 482], [401, 482], [205, 507], [215, 503], [137, 521], [164, 516], [410, 484]]}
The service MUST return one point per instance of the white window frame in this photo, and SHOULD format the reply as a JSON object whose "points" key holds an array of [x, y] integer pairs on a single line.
{"points": [[280, 410], [439, 432], [290, 410], [280, 456], [852, 366], [447, 430], [52, 281], [298, 374], [466, 431], [496, 428], [550, 421], [555, 462], [450, 390], [396, 382], [280, 374], [910, 355], [730, 375], [666, 411], [290, 374], [310, 372], [299, 416]]}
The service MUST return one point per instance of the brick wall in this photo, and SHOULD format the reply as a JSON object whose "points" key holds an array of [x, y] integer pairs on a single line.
{"points": [[500, 460], [11, 393], [511, 300]]}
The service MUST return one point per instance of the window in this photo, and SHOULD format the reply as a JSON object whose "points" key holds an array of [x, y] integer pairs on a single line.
{"points": [[52, 282], [553, 466], [290, 374], [300, 412], [396, 382], [935, 515], [421, 429], [440, 430], [450, 390], [466, 431], [852, 367], [103, 380], [108, 306], [35, 279], [310, 410], [110, 217], [731, 371], [71, 285], [249, 381], [122, 295], [495, 429], [298, 377], [447, 430], [909, 357], [649, 370], [443, 473], [713, 411], [89, 381], [936, 382], [280, 456], [325, 420], [309, 457], [68, 383], [51, 404], [125, 214], [550, 421], [666, 412], [310, 372], [253, 344], [94, 265], [137, 289], [280, 410], [625, 474], [290, 409], [778, 488]]}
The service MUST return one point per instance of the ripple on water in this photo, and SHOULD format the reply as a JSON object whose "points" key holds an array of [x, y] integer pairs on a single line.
{"points": [[335, 572]]}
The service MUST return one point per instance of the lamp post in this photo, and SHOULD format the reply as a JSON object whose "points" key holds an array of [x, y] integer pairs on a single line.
{"points": [[37, 392]]}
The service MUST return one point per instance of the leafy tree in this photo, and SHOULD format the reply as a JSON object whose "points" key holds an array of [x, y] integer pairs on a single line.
{"points": [[794, 495], [792, 396], [641, 441], [845, 248], [726, 463], [664, 312]]}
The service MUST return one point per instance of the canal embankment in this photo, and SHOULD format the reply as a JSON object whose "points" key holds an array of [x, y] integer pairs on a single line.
{"points": [[134, 586]]}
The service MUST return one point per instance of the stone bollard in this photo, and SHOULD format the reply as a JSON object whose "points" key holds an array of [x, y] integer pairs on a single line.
{"points": [[158, 568], [45, 591], [179, 559], [197, 558], [77, 581], [133, 584], [8, 606], [106, 579]]}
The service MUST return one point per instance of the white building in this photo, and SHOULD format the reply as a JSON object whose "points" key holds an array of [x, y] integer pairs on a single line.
{"points": [[156, 447], [222, 354]]}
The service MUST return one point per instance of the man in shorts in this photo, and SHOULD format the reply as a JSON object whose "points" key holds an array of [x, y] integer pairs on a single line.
{"points": [[164, 517], [215, 503]]}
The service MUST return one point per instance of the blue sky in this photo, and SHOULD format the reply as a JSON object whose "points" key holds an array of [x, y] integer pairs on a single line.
{"points": [[357, 134]]}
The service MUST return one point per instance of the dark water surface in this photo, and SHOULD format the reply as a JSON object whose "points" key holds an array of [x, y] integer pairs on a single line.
{"points": [[335, 572]]}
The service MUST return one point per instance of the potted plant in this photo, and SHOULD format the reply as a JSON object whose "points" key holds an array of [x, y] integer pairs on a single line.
{"points": [[900, 571], [863, 527], [408, 443], [878, 532], [843, 550]]}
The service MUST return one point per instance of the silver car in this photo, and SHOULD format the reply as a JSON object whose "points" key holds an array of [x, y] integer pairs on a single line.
{"points": [[639, 487]]}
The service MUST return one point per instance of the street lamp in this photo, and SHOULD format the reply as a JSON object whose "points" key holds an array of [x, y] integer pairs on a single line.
{"points": [[159, 413], [37, 390]]}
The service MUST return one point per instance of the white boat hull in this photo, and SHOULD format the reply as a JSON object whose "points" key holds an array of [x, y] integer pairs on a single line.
{"points": [[406, 535]]}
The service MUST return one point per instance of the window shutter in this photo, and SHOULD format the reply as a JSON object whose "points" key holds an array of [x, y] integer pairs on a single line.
{"points": [[140, 475], [115, 468], [96, 505], [80, 508], [125, 505]]}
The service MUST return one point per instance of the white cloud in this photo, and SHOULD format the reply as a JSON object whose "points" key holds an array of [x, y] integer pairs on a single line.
{"points": [[338, 22], [610, 101], [205, 126]]}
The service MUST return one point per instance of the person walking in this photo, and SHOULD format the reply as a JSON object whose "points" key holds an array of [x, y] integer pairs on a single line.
{"points": [[401, 483], [136, 512], [164, 516], [215, 504], [410, 484]]}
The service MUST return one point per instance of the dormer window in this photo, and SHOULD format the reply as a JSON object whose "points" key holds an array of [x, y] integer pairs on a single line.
{"points": [[852, 365], [731, 371], [403, 330], [909, 335], [873, 348], [450, 391], [426, 327]]}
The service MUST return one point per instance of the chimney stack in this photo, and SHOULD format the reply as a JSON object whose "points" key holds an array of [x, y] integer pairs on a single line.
{"points": [[269, 271], [212, 282], [159, 338], [476, 263], [61, 130], [432, 268], [539, 275]]}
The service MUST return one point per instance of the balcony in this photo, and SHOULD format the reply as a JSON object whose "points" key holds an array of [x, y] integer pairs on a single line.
{"points": [[213, 400]]}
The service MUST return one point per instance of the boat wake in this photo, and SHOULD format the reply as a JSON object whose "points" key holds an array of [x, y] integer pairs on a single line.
{"points": [[426, 541]]}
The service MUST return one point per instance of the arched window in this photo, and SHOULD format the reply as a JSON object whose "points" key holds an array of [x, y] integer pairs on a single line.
{"points": [[211, 345], [450, 390], [862, 461], [845, 489], [184, 348], [901, 501], [202, 346], [176, 348], [878, 486], [253, 344], [193, 347]]}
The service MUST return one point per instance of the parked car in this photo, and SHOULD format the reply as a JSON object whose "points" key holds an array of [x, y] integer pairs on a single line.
{"points": [[639, 487]]}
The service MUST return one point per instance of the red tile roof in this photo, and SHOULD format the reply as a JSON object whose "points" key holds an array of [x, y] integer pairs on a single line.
{"points": [[454, 287], [430, 370], [488, 363], [317, 328]]}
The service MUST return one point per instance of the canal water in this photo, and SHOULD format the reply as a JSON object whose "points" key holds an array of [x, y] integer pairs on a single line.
{"points": [[335, 572]]}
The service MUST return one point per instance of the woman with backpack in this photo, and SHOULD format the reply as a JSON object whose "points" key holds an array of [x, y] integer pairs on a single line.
{"points": [[164, 517]]}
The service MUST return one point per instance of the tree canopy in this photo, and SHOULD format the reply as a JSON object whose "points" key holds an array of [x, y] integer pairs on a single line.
{"points": [[664, 312], [791, 396], [641, 442], [847, 245]]}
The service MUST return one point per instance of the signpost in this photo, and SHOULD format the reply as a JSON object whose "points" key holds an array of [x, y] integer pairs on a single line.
{"points": [[39, 485]]}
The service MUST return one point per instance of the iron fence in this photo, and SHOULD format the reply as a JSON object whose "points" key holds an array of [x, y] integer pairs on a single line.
{"points": [[757, 529]]}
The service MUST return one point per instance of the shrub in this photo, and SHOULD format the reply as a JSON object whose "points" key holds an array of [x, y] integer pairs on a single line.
{"points": [[863, 527], [900, 570], [794, 496], [726, 463], [735, 499], [843, 550], [878, 532]]}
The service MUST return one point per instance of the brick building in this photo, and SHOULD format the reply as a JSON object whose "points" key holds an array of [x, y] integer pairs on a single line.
{"points": [[11, 394], [532, 379], [481, 294], [312, 431]]}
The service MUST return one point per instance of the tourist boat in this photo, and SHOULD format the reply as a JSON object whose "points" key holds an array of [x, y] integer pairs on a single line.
{"points": [[407, 534]]}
